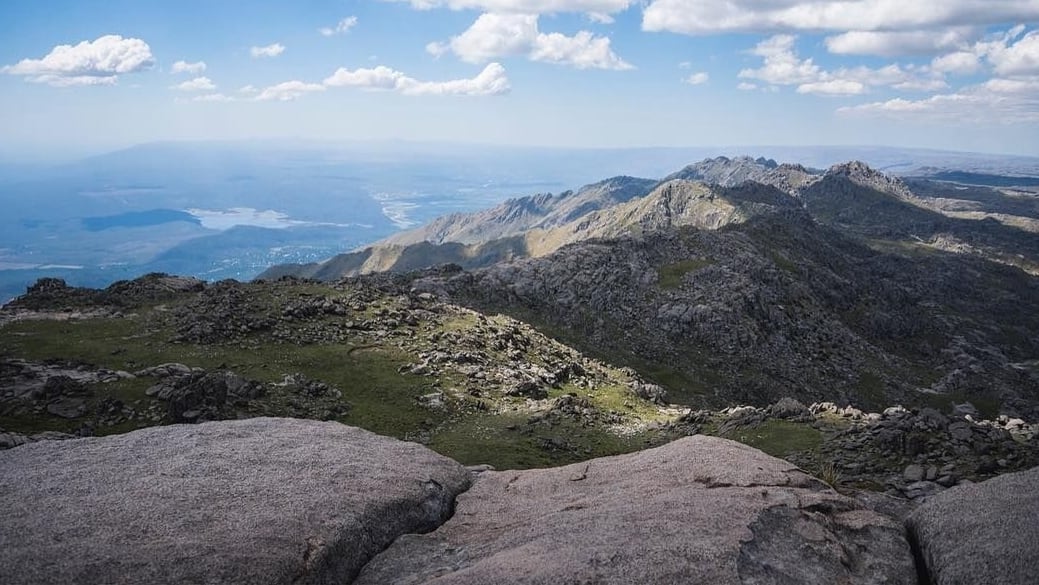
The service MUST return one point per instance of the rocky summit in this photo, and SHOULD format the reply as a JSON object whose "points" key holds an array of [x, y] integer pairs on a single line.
{"points": [[270, 500]]}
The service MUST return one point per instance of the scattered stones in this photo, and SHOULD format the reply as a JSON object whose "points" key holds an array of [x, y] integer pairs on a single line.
{"points": [[914, 473], [789, 409], [651, 392]]}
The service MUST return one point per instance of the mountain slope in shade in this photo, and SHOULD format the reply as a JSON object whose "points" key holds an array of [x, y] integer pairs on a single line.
{"points": [[780, 305]]}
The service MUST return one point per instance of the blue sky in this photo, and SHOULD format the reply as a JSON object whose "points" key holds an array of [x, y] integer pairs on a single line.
{"points": [[955, 74]]}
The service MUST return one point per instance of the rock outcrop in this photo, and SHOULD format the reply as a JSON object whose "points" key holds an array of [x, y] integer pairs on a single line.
{"points": [[270, 500], [254, 501], [698, 510], [981, 533]]}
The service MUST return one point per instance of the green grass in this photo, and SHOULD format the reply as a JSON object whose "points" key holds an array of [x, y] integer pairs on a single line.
{"points": [[365, 370], [671, 274], [506, 442], [780, 438]]}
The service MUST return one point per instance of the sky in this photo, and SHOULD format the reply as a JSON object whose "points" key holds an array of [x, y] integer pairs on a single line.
{"points": [[950, 74]]}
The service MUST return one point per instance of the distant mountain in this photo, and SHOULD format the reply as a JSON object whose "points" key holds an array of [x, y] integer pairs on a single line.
{"points": [[725, 171], [710, 194], [541, 224]]}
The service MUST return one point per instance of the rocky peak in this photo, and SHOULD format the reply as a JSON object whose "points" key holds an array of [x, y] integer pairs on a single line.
{"points": [[726, 171], [862, 174]]}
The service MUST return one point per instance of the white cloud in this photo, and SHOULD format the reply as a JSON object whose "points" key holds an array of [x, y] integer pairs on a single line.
{"points": [[496, 35], [189, 68], [697, 78], [196, 84], [248, 89], [960, 63], [288, 91], [746, 86], [922, 84], [589, 7], [380, 77], [600, 18], [98, 62], [997, 101], [833, 87], [582, 51], [491, 81], [343, 26], [891, 44], [782, 66], [1019, 58], [268, 51], [703, 17]]}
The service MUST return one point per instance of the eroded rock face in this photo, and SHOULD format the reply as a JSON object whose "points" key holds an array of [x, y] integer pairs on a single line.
{"points": [[981, 533], [698, 510], [255, 501]]}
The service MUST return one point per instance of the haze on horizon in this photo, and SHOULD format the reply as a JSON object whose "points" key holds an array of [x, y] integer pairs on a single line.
{"points": [[87, 77]]}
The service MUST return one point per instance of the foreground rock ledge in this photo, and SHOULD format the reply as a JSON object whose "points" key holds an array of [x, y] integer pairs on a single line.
{"points": [[255, 501], [982, 533], [698, 510]]}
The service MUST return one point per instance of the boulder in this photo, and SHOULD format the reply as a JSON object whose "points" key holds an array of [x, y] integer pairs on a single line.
{"points": [[985, 532], [254, 501], [698, 510], [790, 409]]}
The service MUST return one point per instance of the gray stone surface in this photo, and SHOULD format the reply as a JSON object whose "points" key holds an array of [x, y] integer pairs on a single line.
{"points": [[982, 533], [254, 501], [698, 510]]}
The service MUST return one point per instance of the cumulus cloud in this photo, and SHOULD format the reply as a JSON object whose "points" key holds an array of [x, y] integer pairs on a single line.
{"points": [[703, 17], [833, 87], [782, 66], [997, 101], [496, 35], [959, 63], [269, 51], [288, 91], [698, 78], [97, 62], [343, 26], [189, 68], [491, 81], [898, 43], [1014, 58], [196, 84], [590, 7]]}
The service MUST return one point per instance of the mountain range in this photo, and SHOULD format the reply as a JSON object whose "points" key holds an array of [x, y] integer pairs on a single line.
{"points": [[743, 280]]}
